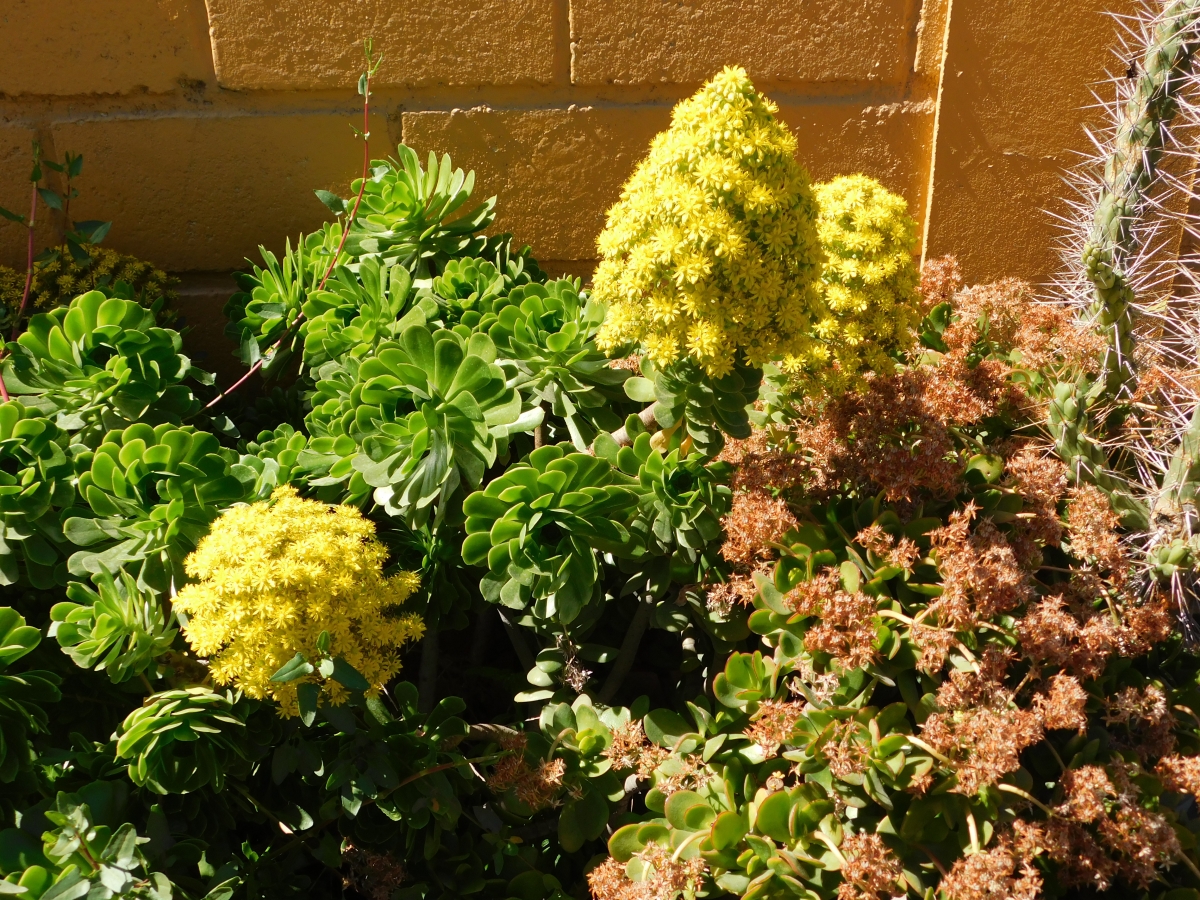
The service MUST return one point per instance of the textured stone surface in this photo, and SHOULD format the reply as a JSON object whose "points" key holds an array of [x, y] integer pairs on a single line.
{"points": [[886, 142], [101, 46], [685, 41], [558, 171], [1010, 118], [200, 193], [202, 296], [304, 44]]}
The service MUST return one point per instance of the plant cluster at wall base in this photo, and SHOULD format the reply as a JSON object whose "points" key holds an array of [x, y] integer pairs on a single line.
{"points": [[770, 568], [75, 263]]}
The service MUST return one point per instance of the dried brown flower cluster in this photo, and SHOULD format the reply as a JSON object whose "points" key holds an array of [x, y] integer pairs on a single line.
{"points": [[755, 521], [1063, 705], [1027, 632], [981, 745], [902, 554], [846, 630], [373, 875], [1122, 839], [723, 596], [666, 877], [993, 874], [846, 750], [981, 575], [690, 774], [761, 466], [536, 786], [1180, 774], [1044, 336], [885, 438], [774, 724], [1065, 630], [977, 732], [941, 279], [871, 871], [897, 435], [1144, 715], [1092, 533], [630, 751], [1041, 480]]}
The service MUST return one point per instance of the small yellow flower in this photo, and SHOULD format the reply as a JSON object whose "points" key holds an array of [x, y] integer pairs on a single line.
{"points": [[272, 576]]}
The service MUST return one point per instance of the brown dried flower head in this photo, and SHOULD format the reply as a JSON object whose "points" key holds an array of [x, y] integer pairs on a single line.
{"points": [[375, 876], [1146, 717], [1180, 774], [754, 521], [536, 786], [983, 745], [1063, 705], [941, 279], [871, 871], [993, 874], [774, 724], [981, 576], [1092, 531], [1086, 789], [630, 750]]}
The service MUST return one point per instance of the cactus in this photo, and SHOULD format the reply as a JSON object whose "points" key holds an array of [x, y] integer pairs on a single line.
{"points": [[1149, 462], [1087, 460], [1109, 254]]}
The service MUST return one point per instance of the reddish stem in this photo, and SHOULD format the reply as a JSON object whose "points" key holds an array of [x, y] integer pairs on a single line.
{"points": [[332, 263], [28, 265], [16, 332]]}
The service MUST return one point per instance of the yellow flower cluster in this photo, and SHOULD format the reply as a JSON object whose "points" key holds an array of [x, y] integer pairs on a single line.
{"points": [[57, 281], [869, 286], [712, 248], [272, 576]]}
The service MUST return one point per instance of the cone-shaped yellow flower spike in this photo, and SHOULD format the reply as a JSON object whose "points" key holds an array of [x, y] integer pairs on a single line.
{"points": [[272, 576], [712, 248], [869, 286]]}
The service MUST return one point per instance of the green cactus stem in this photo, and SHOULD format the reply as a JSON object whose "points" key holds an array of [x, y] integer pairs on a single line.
{"points": [[1129, 172], [1087, 462]]}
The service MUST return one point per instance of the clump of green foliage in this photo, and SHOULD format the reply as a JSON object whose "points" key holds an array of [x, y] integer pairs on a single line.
{"points": [[877, 647]]}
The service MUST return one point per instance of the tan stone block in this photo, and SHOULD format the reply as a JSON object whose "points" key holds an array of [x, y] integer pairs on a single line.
{"points": [[305, 44], [16, 163], [101, 46], [556, 171], [1016, 84], [201, 193], [889, 143], [687, 41]]}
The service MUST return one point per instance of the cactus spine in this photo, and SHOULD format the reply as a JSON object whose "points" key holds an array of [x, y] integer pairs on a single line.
{"points": [[1129, 172], [1153, 484]]}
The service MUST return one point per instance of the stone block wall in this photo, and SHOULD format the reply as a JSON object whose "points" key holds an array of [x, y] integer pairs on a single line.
{"points": [[205, 126]]}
